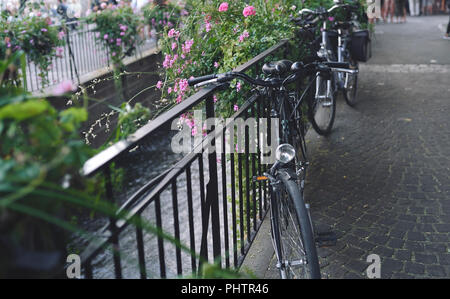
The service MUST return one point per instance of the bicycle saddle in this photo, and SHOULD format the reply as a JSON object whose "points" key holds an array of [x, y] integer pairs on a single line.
{"points": [[277, 68]]}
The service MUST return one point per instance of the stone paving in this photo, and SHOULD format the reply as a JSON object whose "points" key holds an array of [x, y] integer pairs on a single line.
{"points": [[381, 180]]}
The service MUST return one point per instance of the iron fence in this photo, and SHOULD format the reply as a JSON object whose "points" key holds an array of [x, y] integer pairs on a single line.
{"points": [[81, 55], [207, 200]]}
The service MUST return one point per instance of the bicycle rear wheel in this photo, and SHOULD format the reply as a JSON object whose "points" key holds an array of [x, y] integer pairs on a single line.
{"points": [[351, 86], [292, 232], [322, 106]]}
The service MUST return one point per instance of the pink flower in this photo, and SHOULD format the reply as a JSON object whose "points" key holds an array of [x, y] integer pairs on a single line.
{"points": [[243, 36], [249, 11], [59, 51], [235, 107], [44, 30], [238, 86], [208, 27], [159, 84], [174, 46], [103, 5], [331, 19], [216, 64], [63, 88], [183, 85], [215, 99], [173, 33], [106, 36], [169, 90], [186, 47], [61, 35], [179, 99], [223, 7]]}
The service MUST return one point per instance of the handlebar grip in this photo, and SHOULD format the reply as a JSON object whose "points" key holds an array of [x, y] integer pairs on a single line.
{"points": [[343, 65], [200, 79]]}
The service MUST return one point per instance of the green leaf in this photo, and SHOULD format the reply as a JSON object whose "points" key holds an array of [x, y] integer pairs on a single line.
{"points": [[24, 110], [70, 118]]}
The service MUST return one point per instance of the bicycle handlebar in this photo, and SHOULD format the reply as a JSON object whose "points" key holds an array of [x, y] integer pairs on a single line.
{"points": [[197, 80], [324, 12], [297, 69]]}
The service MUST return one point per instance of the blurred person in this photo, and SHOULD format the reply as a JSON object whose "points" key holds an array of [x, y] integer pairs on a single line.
{"points": [[390, 9], [62, 9], [75, 9], [400, 11], [427, 7], [447, 34], [414, 8]]}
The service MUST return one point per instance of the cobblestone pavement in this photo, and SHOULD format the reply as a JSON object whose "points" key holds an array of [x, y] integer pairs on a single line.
{"points": [[381, 180]]}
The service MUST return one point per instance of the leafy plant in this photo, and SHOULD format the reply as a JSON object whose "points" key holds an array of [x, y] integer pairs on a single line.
{"points": [[40, 155], [36, 36]]}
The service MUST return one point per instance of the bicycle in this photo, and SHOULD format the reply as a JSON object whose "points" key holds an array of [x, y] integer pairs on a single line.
{"points": [[337, 46], [291, 223]]}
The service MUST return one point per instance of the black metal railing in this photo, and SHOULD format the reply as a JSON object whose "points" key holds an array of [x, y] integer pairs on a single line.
{"points": [[207, 200]]}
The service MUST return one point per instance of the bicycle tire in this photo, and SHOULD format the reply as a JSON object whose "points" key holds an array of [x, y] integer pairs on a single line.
{"points": [[322, 120], [292, 232], [350, 94]]}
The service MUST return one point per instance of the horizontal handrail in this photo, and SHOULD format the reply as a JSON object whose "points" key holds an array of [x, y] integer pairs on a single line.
{"points": [[109, 155]]}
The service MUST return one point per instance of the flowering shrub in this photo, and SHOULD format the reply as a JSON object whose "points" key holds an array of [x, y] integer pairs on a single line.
{"points": [[117, 30], [216, 37], [36, 36], [159, 16]]}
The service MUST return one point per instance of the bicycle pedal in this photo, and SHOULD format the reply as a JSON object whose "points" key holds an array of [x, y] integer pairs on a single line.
{"points": [[326, 239]]}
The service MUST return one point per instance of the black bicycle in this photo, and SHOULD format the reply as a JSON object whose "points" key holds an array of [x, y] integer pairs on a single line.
{"points": [[341, 41], [292, 229]]}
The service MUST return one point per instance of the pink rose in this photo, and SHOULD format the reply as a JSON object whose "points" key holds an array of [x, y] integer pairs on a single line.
{"points": [[223, 7], [249, 11]]}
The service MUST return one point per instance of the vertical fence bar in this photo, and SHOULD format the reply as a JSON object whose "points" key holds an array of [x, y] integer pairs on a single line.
{"points": [[88, 270], [176, 225], [161, 255], [113, 226], [205, 220], [258, 109], [233, 204], [213, 188], [252, 155], [241, 203], [225, 201], [247, 178], [141, 251], [191, 218]]}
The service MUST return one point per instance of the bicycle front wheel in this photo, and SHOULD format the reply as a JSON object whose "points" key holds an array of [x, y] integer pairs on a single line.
{"points": [[322, 106], [292, 232]]}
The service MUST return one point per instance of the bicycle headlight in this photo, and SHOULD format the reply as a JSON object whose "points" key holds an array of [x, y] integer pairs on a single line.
{"points": [[285, 153]]}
